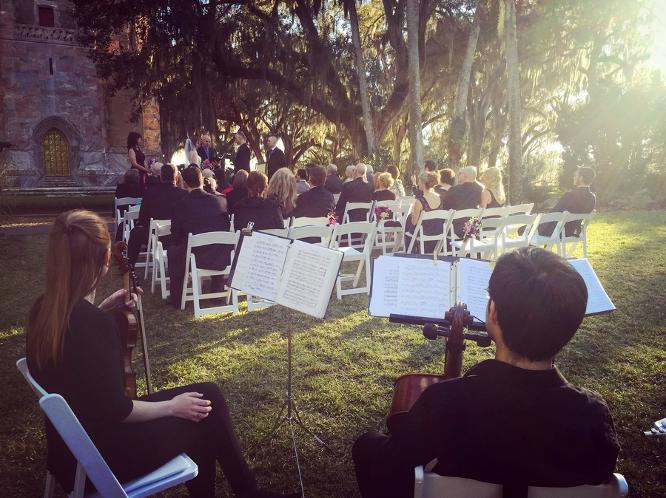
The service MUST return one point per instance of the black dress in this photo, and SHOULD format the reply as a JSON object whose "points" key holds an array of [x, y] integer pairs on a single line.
{"points": [[141, 160], [383, 195], [493, 201], [264, 213], [90, 377], [430, 227]]}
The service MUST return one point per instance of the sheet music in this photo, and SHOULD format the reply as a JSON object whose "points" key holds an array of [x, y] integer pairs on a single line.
{"points": [[260, 264], [597, 299], [473, 279], [410, 286], [309, 275]]}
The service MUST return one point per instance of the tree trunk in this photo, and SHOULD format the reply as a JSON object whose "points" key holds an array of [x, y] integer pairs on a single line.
{"points": [[514, 101], [368, 123], [415, 134], [458, 122]]}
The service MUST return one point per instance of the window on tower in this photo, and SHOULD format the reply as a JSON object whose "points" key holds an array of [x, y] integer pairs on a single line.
{"points": [[46, 16]]}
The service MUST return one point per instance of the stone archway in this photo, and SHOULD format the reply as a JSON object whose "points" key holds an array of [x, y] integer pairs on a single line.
{"points": [[56, 145]]}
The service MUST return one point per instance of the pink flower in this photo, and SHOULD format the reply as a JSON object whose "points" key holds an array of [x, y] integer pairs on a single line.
{"points": [[332, 220]]}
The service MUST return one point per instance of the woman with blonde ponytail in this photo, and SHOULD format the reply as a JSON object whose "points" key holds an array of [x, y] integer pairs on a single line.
{"points": [[74, 349], [493, 195]]}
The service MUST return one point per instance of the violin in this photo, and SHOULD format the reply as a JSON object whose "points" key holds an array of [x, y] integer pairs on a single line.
{"points": [[408, 388], [130, 323]]}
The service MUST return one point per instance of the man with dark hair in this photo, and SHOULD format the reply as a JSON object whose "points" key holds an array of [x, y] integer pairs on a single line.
{"points": [[430, 165], [447, 180], [242, 157], [579, 200], [158, 204], [197, 212], [513, 420], [465, 195], [275, 158], [333, 182], [302, 184], [317, 201]]}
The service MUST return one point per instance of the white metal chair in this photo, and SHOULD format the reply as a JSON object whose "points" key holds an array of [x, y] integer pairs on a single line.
{"points": [[304, 221], [390, 227], [196, 274], [519, 209], [127, 221], [518, 230], [570, 242], [150, 247], [431, 485], [459, 216], [160, 260], [323, 233], [351, 254], [122, 202], [354, 206], [439, 238], [555, 237], [489, 243]]}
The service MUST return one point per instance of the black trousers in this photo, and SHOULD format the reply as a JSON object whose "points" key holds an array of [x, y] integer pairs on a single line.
{"points": [[137, 239], [138, 448], [380, 472]]}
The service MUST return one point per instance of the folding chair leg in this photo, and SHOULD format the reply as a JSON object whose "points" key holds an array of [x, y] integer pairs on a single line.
{"points": [[196, 292], [358, 272], [368, 277], [79, 483], [49, 486], [338, 288]]}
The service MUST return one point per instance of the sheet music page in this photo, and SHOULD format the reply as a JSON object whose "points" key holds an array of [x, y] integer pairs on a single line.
{"points": [[473, 279], [260, 264], [410, 286], [309, 275], [597, 299]]}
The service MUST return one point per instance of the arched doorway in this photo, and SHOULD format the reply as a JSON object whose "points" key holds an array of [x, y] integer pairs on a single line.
{"points": [[56, 153]]}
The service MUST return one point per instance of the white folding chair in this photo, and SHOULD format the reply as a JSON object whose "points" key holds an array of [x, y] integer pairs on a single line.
{"points": [[121, 202], [488, 244], [555, 237], [231, 224], [323, 233], [439, 238], [519, 209], [91, 464], [353, 206], [128, 220], [196, 274], [304, 221], [518, 229], [458, 216], [351, 254], [408, 201], [280, 232], [389, 227], [160, 260], [150, 248], [431, 485], [570, 242]]}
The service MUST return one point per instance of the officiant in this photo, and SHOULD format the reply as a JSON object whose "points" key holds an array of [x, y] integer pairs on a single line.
{"points": [[243, 154], [205, 150]]}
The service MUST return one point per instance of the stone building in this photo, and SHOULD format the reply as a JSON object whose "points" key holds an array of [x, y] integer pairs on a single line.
{"points": [[63, 126]]}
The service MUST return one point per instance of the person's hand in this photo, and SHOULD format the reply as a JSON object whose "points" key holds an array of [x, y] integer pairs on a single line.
{"points": [[120, 298], [190, 406]]}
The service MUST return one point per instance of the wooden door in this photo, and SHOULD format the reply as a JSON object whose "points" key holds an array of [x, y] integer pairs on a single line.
{"points": [[55, 153]]}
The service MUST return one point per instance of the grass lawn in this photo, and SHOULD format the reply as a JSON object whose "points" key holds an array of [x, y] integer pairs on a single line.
{"points": [[345, 365]]}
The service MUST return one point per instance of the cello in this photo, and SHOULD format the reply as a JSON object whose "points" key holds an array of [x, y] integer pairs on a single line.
{"points": [[453, 328], [130, 323]]}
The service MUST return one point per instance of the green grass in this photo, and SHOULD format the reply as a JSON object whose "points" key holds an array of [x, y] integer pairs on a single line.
{"points": [[345, 365]]}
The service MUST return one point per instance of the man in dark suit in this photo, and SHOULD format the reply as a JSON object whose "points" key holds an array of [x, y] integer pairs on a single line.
{"points": [[197, 212], [243, 155], [465, 195], [333, 181], [358, 190], [580, 200], [206, 151], [513, 420], [158, 204], [275, 158], [317, 201]]}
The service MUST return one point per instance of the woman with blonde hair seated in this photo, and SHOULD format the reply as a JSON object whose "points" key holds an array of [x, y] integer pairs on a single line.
{"points": [[493, 196], [428, 201], [383, 184], [282, 189]]}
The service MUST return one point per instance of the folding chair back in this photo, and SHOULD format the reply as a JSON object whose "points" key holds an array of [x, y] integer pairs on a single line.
{"points": [[353, 206], [427, 219], [122, 202], [518, 230], [22, 365], [304, 221], [280, 232], [576, 222], [364, 228], [150, 247], [519, 209], [554, 220], [128, 220], [322, 233], [353, 255]]}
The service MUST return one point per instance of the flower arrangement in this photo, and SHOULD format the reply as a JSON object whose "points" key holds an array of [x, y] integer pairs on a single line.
{"points": [[332, 220], [472, 228], [383, 213]]}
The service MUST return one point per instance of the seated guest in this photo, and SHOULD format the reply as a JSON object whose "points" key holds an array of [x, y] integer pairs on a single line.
{"points": [[197, 212], [513, 420], [154, 176], [358, 190], [74, 349], [580, 200], [349, 173], [397, 188], [282, 189], [302, 184], [128, 186], [318, 201], [383, 190], [255, 208], [465, 195], [447, 179], [210, 187], [238, 191], [333, 183], [493, 195], [158, 203], [430, 165], [370, 175], [427, 201]]}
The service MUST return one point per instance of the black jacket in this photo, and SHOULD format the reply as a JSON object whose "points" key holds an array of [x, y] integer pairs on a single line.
{"points": [[242, 158], [314, 203], [333, 184], [275, 160], [199, 212], [158, 203], [462, 196], [580, 200], [264, 213], [354, 191], [234, 197], [210, 155]]}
